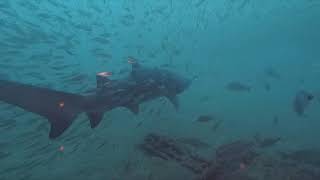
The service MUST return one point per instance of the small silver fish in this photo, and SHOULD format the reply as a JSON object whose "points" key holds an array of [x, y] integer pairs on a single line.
{"points": [[204, 118], [237, 86]]}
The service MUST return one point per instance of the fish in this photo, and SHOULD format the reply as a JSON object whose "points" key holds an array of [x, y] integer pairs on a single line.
{"points": [[62, 108], [105, 35], [84, 13], [101, 145], [97, 9], [238, 86], [216, 125], [58, 5], [4, 155], [205, 118], [83, 27], [199, 3], [103, 55], [267, 86], [275, 120], [78, 77], [244, 4], [139, 124], [101, 40], [301, 102], [272, 73], [69, 52], [267, 142], [204, 99]]}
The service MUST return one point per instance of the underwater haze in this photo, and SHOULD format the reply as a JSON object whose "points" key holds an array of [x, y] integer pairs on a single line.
{"points": [[255, 91]]}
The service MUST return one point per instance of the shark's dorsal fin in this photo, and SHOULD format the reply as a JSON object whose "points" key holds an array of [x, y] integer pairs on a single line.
{"points": [[174, 101], [134, 108], [103, 79], [95, 118]]}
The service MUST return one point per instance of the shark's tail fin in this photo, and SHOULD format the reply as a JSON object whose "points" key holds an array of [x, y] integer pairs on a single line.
{"points": [[60, 108]]}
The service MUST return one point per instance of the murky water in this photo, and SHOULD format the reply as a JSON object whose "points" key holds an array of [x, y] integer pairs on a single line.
{"points": [[248, 61]]}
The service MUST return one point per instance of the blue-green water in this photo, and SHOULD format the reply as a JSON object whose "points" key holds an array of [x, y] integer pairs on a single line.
{"points": [[271, 47]]}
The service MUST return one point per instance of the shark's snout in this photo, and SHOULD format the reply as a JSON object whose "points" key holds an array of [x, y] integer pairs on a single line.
{"points": [[183, 84]]}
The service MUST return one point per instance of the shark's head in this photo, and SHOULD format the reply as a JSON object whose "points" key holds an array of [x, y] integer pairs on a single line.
{"points": [[170, 82], [176, 83]]}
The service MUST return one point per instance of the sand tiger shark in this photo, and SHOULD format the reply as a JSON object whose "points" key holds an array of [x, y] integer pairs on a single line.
{"points": [[61, 108]]}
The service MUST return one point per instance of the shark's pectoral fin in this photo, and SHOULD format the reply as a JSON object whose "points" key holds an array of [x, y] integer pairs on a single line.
{"points": [[60, 117], [58, 127], [134, 108], [95, 118], [174, 101]]}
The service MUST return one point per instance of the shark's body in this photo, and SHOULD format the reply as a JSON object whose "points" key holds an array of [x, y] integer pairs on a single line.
{"points": [[61, 108]]}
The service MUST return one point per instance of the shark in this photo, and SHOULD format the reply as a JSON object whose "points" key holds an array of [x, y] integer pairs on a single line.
{"points": [[60, 108]]}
